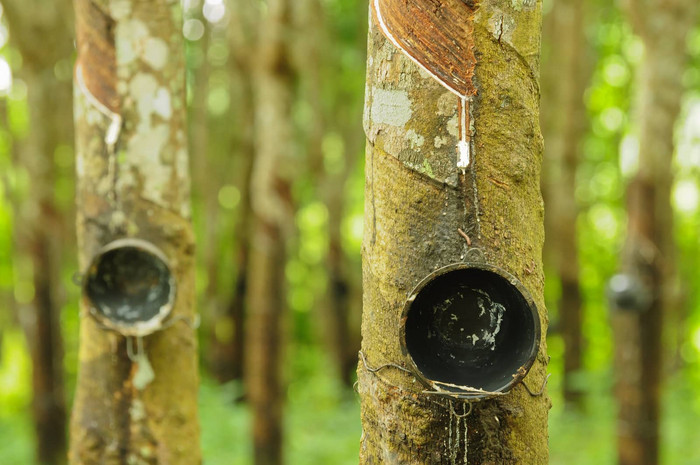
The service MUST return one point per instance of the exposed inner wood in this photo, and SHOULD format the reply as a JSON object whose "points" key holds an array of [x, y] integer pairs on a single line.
{"points": [[435, 33], [96, 52]]}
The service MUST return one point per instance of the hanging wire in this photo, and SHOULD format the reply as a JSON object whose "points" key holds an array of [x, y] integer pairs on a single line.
{"points": [[445, 395], [380, 368], [464, 393], [541, 391]]}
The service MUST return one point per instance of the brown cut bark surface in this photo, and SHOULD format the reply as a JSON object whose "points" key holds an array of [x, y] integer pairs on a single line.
{"points": [[95, 42], [438, 34]]}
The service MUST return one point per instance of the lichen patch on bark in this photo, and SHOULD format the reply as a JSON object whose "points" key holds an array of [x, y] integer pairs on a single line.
{"points": [[155, 53], [391, 107], [130, 38], [520, 5]]}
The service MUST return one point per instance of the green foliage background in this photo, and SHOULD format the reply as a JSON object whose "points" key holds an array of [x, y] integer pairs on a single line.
{"points": [[322, 423]]}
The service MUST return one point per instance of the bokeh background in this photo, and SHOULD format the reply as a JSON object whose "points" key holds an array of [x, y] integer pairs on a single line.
{"points": [[327, 50]]}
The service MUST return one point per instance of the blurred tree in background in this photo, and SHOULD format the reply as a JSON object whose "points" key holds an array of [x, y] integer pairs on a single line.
{"points": [[325, 42], [273, 213], [40, 224], [136, 393], [648, 253], [565, 76]]}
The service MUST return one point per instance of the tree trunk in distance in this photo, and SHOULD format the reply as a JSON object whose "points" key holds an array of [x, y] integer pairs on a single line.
{"points": [[312, 53], [228, 346], [271, 204], [205, 189], [38, 223], [648, 250], [231, 353], [565, 77], [7, 297], [414, 206], [133, 181], [41, 241], [339, 293]]}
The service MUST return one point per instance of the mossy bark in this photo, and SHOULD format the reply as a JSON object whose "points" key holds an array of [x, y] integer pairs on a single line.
{"points": [[133, 181], [416, 201], [649, 251]]}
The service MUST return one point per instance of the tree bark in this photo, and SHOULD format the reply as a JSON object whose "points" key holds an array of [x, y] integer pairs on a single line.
{"points": [[133, 181], [38, 221], [271, 204], [417, 200], [565, 77], [648, 251]]}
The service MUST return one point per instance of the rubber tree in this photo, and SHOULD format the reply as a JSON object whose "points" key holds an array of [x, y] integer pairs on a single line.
{"points": [[227, 351], [271, 203], [565, 76], [423, 212], [641, 294], [39, 224], [133, 182]]}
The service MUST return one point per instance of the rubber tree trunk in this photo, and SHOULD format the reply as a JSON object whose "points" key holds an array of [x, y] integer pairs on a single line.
{"points": [[205, 187], [313, 49], [565, 77], [648, 251], [230, 353], [416, 200], [39, 227], [133, 181], [228, 347], [38, 222], [271, 203]]}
